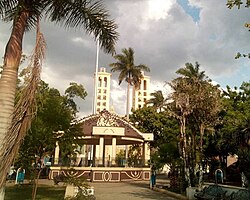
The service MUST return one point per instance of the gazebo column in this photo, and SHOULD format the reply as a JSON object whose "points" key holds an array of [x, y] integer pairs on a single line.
{"points": [[94, 155], [57, 151], [101, 148], [113, 151]]}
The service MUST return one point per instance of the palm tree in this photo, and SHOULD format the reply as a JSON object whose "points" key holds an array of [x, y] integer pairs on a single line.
{"points": [[129, 72], [190, 71], [198, 100], [157, 100], [24, 15], [183, 87]]}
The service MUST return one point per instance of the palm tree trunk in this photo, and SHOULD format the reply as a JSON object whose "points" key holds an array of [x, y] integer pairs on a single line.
{"points": [[128, 101], [8, 81], [184, 151], [127, 115], [202, 130]]}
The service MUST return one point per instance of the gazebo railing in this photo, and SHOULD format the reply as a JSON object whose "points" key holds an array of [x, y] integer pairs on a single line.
{"points": [[100, 162]]}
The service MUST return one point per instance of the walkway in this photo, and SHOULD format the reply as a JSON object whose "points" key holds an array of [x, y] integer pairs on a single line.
{"points": [[138, 190]]}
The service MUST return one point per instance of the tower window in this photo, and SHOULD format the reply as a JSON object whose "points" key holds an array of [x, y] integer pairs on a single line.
{"points": [[99, 82], [105, 82], [144, 84]]}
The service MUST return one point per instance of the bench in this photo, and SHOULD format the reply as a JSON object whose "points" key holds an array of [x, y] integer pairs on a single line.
{"points": [[212, 192], [242, 194]]}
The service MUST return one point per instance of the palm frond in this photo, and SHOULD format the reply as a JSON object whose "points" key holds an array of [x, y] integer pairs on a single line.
{"points": [[6, 5], [122, 76], [143, 68], [33, 9], [93, 17], [24, 110]]}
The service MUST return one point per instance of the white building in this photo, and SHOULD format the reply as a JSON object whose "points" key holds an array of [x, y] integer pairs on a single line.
{"points": [[142, 94], [102, 98]]}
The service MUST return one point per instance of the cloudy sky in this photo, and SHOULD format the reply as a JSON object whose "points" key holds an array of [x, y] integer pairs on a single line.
{"points": [[165, 35]]}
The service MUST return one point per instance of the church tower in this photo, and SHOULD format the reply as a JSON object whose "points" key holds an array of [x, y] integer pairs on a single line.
{"points": [[142, 94], [102, 90]]}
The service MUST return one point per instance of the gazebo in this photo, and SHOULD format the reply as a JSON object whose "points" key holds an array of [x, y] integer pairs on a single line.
{"points": [[103, 135]]}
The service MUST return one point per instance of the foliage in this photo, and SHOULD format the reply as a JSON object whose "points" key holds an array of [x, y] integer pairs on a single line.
{"points": [[165, 130], [73, 91], [197, 106], [157, 101], [53, 114], [238, 3], [24, 15], [148, 120], [235, 129], [129, 72], [82, 187], [92, 16], [135, 156], [120, 158]]}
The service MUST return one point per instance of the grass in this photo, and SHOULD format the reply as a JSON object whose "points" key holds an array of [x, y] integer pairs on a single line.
{"points": [[24, 192]]}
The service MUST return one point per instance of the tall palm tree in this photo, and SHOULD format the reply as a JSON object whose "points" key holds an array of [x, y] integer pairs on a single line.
{"points": [[158, 101], [129, 72], [198, 100], [192, 73], [86, 14]]}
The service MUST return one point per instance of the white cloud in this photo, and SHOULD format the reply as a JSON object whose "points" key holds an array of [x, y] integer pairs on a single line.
{"points": [[158, 9]]}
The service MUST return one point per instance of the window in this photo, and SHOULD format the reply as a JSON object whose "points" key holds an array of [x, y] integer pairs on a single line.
{"points": [[105, 81], [144, 84], [99, 82]]}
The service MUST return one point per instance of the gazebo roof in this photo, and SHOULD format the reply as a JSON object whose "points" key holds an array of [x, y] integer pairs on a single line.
{"points": [[106, 120]]}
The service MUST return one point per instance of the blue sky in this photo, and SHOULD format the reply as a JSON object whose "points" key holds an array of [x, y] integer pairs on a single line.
{"points": [[193, 11]]}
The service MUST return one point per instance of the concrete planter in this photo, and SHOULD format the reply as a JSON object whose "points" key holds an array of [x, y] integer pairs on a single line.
{"points": [[190, 191]]}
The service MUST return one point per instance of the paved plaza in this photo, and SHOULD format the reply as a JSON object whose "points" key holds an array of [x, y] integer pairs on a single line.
{"points": [[138, 190]]}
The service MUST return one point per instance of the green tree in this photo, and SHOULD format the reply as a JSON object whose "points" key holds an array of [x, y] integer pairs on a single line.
{"points": [[165, 145], [198, 102], [129, 72], [24, 16], [235, 129], [73, 91], [54, 114]]}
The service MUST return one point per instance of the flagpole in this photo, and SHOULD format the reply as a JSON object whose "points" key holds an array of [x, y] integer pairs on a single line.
{"points": [[96, 76]]}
